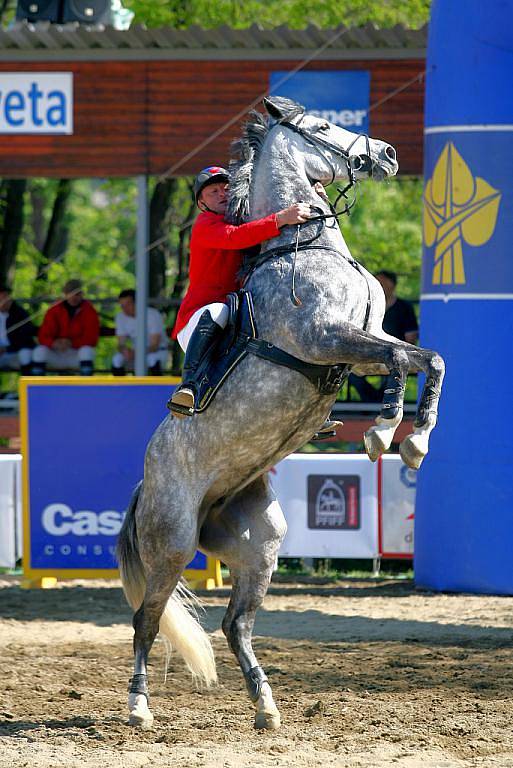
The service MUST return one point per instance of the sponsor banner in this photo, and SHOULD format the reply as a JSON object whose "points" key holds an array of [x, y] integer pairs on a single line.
{"points": [[468, 213], [36, 102], [330, 504], [397, 507], [342, 97], [84, 446]]}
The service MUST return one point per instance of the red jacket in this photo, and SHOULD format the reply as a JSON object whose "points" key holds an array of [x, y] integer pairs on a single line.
{"points": [[82, 329], [215, 259]]}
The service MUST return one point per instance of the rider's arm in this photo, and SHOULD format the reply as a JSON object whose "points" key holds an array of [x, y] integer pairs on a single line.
{"points": [[211, 231]]}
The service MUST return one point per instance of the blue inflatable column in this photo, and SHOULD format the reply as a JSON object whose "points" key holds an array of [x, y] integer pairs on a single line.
{"points": [[464, 511]]}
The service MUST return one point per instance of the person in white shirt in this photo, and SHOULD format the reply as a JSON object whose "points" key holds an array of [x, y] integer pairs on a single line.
{"points": [[157, 348]]}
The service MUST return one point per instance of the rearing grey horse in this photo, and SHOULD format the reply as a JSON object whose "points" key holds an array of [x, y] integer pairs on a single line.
{"points": [[205, 479]]}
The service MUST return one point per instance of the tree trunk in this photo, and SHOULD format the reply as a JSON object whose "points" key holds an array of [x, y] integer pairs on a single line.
{"points": [[160, 213], [12, 193], [56, 236], [182, 275]]}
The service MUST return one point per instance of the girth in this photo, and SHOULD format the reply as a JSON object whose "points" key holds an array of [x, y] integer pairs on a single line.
{"points": [[326, 378]]}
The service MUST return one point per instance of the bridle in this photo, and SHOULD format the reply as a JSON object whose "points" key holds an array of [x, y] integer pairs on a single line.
{"points": [[354, 163]]}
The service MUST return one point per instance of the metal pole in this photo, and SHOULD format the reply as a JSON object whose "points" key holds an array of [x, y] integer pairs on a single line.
{"points": [[141, 276]]}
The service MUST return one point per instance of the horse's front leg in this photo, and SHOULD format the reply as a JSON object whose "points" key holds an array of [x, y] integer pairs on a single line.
{"points": [[246, 534], [361, 349], [348, 344]]}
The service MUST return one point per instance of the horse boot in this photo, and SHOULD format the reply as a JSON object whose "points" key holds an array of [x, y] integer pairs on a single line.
{"points": [[328, 429], [202, 341]]}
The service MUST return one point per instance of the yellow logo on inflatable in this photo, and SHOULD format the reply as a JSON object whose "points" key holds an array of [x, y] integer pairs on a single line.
{"points": [[457, 207]]}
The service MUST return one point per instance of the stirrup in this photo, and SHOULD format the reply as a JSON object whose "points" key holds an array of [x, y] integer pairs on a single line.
{"points": [[328, 429], [181, 403]]}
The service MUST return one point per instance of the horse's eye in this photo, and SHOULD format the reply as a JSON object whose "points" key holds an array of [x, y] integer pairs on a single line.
{"points": [[324, 127]]}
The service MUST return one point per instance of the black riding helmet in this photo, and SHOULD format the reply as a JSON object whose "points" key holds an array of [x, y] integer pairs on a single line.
{"points": [[214, 174]]}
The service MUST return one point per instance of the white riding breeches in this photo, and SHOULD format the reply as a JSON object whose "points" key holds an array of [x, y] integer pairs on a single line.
{"points": [[152, 358], [70, 358], [218, 313]]}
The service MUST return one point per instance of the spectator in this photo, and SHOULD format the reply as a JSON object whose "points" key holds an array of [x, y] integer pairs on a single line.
{"points": [[69, 334], [399, 321], [16, 334], [156, 356]]}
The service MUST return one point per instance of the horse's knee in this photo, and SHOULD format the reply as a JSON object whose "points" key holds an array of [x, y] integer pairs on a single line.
{"points": [[437, 365], [397, 359]]}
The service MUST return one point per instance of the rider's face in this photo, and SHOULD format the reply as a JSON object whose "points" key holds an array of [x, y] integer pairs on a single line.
{"points": [[214, 197]]}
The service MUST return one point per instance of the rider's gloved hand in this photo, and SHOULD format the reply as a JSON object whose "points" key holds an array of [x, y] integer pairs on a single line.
{"points": [[294, 214]]}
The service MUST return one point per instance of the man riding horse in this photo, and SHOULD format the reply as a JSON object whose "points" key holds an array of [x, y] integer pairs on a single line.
{"points": [[216, 255]]}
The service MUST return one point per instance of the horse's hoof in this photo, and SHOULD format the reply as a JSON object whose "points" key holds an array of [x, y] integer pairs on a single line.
{"points": [[144, 722], [411, 452], [374, 444], [140, 715], [270, 721]]}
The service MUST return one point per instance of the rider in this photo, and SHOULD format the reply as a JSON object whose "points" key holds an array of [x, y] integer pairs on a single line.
{"points": [[215, 259], [216, 253]]}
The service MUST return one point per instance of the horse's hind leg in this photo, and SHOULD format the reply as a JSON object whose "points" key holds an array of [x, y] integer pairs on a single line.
{"points": [[146, 625], [246, 534]]}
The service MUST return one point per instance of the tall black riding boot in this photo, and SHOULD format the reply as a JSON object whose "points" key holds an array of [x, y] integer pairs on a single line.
{"points": [[206, 333]]}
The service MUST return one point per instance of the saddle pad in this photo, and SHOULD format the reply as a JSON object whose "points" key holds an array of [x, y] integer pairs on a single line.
{"points": [[227, 354]]}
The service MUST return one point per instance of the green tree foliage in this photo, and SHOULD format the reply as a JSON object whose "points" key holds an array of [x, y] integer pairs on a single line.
{"points": [[94, 221], [271, 13], [384, 230]]}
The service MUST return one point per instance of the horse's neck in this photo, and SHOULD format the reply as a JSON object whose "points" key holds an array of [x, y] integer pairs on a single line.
{"points": [[273, 191]]}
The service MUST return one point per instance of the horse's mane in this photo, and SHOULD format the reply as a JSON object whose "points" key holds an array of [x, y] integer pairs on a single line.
{"points": [[244, 153]]}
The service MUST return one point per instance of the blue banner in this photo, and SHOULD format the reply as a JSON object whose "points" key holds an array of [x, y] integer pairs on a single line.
{"points": [[85, 454], [342, 97], [468, 213]]}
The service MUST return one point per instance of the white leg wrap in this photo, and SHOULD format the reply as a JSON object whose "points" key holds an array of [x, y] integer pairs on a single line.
{"points": [[267, 715], [139, 712], [378, 438]]}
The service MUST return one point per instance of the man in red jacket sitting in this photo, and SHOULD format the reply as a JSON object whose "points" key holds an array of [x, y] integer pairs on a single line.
{"points": [[69, 334], [216, 253]]}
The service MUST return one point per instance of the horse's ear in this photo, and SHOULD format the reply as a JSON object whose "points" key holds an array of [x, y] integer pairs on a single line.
{"points": [[281, 108]]}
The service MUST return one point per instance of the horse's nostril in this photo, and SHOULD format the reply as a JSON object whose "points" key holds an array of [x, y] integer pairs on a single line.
{"points": [[390, 152]]}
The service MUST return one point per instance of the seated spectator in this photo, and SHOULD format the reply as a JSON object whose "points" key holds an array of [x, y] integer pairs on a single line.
{"points": [[16, 334], [399, 321], [68, 335], [157, 344]]}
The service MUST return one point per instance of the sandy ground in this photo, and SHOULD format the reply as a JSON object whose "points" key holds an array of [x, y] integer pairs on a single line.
{"points": [[364, 675]]}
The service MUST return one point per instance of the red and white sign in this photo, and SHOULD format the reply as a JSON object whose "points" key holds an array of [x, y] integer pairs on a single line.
{"points": [[396, 506]]}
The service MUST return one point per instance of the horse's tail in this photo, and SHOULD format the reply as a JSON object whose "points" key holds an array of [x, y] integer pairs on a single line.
{"points": [[179, 623]]}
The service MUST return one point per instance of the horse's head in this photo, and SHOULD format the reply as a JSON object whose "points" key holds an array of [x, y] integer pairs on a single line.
{"points": [[330, 152]]}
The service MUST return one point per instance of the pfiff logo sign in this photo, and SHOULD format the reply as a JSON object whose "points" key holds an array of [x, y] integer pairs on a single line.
{"points": [[36, 102], [340, 97]]}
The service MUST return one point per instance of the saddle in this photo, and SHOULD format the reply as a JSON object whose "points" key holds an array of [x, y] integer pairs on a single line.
{"points": [[240, 338]]}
